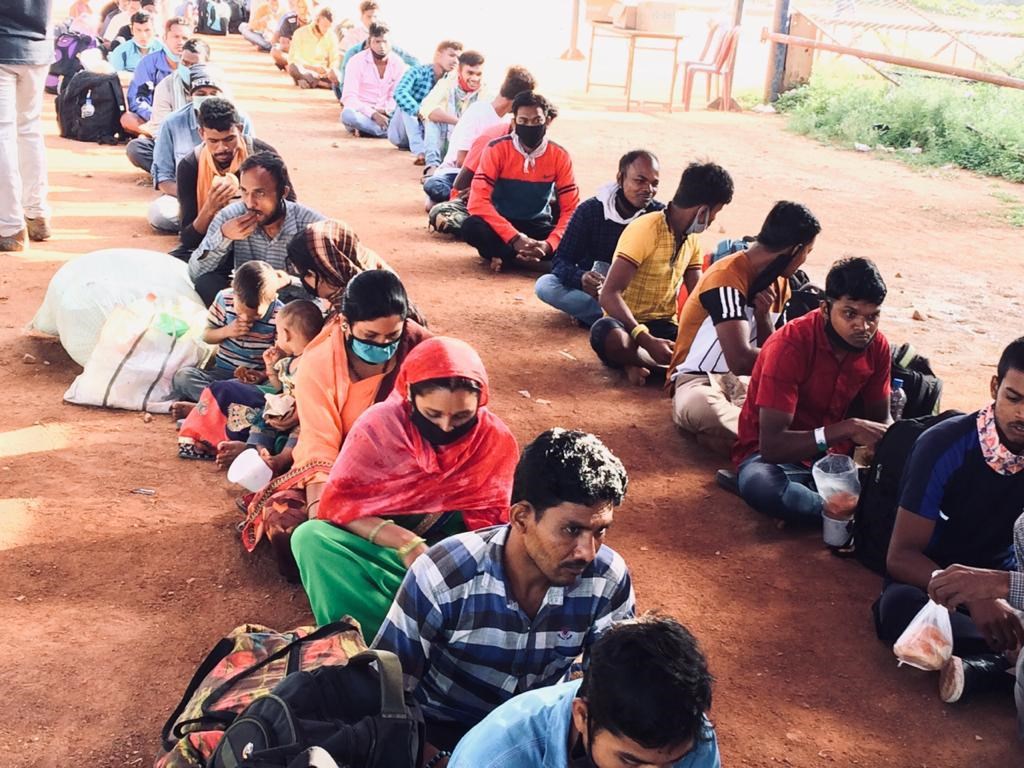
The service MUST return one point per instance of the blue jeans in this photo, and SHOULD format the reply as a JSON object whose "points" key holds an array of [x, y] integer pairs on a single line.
{"points": [[572, 301], [785, 491], [406, 132], [357, 121], [439, 186], [189, 382], [435, 138]]}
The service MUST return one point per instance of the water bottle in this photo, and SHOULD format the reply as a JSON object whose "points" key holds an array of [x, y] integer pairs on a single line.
{"points": [[88, 110], [897, 400]]}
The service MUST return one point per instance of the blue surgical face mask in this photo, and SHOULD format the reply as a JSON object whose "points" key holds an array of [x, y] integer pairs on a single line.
{"points": [[171, 57], [374, 354], [699, 226]]}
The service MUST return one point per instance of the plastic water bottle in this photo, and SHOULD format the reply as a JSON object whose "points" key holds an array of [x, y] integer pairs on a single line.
{"points": [[897, 400], [88, 110]]}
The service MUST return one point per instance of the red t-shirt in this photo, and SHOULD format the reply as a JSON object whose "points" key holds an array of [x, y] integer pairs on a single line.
{"points": [[797, 372], [496, 131]]}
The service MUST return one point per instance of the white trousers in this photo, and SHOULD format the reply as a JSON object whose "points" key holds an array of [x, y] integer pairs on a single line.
{"points": [[22, 153]]}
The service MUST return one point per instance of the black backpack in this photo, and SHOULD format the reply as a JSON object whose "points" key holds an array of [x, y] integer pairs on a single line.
{"points": [[804, 297], [66, 49], [922, 386], [104, 91], [360, 716], [880, 492]]}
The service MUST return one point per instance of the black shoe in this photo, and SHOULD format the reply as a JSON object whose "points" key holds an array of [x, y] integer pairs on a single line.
{"points": [[961, 677], [727, 479]]}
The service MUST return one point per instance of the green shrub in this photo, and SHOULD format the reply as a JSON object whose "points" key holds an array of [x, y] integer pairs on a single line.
{"points": [[976, 126]]}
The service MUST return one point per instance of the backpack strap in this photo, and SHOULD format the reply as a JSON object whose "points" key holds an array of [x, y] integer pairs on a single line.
{"points": [[392, 689], [213, 658]]}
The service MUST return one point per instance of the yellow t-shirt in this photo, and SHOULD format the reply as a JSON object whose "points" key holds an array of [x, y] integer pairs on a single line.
{"points": [[648, 244], [307, 49]]}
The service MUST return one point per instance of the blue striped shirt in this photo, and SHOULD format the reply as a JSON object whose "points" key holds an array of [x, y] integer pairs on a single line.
{"points": [[465, 644], [247, 350]]}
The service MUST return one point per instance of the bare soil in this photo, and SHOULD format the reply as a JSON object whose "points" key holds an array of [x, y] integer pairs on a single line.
{"points": [[108, 599]]}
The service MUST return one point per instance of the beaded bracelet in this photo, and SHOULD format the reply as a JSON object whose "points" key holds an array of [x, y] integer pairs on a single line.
{"points": [[437, 758], [372, 538]]}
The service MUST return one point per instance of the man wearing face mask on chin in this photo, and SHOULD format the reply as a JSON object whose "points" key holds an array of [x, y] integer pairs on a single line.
{"points": [[368, 93], [806, 377], [510, 222], [656, 254], [151, 70], [258, 228]]}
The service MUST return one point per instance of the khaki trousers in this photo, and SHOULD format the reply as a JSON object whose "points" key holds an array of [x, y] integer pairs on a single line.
{"points": [[707, 406]]}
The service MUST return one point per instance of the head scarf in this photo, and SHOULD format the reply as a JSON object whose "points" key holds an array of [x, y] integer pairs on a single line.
{"points": [[387, 468], [338, 255]]}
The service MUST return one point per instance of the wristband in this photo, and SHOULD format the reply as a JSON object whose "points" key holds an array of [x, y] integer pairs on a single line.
{"points": [[376, 529], [438, 758], [819, 439], [409, 546], [637, 330]]}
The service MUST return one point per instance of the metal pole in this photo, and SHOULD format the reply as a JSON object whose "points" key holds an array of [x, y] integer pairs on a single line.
{"points": [[777, 56], [573, 53], [899, 61], [737, 17]]}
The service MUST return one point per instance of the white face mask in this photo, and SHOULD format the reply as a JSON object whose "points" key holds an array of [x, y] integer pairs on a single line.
{"points": [[697, 226], [197, 102]]}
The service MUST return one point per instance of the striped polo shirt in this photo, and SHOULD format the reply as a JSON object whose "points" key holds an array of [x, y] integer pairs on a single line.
{"points": [[249, 349], [465, 644]]}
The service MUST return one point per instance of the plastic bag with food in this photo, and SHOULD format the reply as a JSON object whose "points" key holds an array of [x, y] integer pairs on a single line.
{"points": [[927, 642]]}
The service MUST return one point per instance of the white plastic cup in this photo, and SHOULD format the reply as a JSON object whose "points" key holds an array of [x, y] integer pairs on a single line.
{"points": [[250, 471], [836, 533], [601, 267]]}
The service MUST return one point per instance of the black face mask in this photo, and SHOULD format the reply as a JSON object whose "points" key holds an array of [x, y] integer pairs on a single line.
{"points": [[434, 435], [530, 136], [833, 335]]}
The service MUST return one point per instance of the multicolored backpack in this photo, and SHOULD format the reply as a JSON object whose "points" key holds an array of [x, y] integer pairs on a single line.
{"points": [[245, 665]]}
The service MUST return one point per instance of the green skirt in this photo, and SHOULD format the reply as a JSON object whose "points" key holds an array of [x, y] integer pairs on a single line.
{"points": [[343, 573]]}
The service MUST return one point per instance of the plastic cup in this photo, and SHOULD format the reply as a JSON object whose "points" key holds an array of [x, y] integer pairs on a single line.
{"points": [[601, 267], [250, 471], [836, 533]]}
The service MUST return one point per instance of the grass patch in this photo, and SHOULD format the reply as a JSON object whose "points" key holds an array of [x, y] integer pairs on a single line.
{"points": [[975, 126]]}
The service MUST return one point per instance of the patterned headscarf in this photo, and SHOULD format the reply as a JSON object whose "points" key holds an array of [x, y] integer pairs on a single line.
{"points": [[338, 254]]}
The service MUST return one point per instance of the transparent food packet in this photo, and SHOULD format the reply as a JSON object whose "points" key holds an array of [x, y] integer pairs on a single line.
{"points": [[927, 642]]}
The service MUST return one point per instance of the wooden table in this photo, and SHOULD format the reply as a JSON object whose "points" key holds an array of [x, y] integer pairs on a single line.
{"points": [[631, 36]]}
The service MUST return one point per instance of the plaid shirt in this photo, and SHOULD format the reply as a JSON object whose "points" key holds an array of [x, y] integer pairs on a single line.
{"points": [[413, 88], [1017, 577], [465, 644]]}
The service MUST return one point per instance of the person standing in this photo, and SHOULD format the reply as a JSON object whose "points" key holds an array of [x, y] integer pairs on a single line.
{"points": [[25, 56]]}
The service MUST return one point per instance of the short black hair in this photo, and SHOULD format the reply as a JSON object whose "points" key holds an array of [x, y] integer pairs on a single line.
{"points": [[632, 156], [788, 224], [176, 21], [857, 279], [218, 114], [374, 294], [306, 316], [451, 383], [471, 59], [197, 46], [568, 466], [141, 17], [517, 80], [378, 29], [648, 681], [703, 184], [531, 99], [251, 283], [1012, 358], [272, 164], [325, 13]]}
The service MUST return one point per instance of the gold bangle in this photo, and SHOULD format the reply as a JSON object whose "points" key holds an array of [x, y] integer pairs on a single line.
{"points": [[637, 330], [409, 546], [372, 538]]}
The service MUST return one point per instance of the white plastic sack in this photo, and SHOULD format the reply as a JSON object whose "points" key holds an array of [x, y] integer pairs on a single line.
{"points": [[139, 350], [927, 642], [84, 292]]}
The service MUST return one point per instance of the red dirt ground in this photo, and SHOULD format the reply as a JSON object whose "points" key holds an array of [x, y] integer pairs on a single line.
{"points": [[109, 600]]}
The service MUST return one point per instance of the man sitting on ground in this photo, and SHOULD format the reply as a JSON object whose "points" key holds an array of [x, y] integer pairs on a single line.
{"points": [[259, 30], [960, 498], [473, 122], [806, 377], [485, 615], [358, 33], [128, 54], [406, 129], [298, 16], [151, 70], [207, 178], [371, 76], [593, 232], [313, 55], [178, 136], [446, 103], [258, 228], [727, 319], [655, 255], [643, 700], [510, 222], [111, 26]]}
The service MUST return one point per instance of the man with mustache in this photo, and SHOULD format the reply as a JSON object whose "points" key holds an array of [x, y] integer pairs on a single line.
{"points": [[960, 511], [368, 95], [257, 228], [806, 377], [592, 235], [485, 615]]}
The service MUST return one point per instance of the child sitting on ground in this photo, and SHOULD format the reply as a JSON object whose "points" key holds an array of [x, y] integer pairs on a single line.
{"points": [[298, 323], [242, 321]]}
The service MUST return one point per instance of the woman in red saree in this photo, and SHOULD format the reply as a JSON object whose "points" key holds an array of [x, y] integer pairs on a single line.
{"points": [[352, 364], [430, 461]]}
